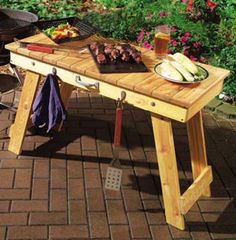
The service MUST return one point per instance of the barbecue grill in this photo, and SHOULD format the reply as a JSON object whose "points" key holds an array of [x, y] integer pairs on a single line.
{"points": [[13, 23]]}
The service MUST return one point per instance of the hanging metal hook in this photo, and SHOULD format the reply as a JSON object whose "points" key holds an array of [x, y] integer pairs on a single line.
{"points": [[120, 100], [54, 71]]}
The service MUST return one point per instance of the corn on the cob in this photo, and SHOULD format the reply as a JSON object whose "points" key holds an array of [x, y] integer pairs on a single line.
{"points": [[168, 71], [187, 75], [186, 62]]}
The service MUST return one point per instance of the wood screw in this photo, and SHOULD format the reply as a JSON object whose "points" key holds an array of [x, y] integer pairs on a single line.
{"points": [[153, 104]]}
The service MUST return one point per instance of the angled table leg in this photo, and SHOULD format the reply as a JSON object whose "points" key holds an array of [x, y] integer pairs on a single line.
{"points": [[18, 129], [65, 91], [163, 136], [197, 147]]}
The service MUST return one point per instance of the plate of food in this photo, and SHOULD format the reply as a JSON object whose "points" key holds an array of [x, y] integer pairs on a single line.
{"points": [[117, 58], [66, 29], [180, 69]]}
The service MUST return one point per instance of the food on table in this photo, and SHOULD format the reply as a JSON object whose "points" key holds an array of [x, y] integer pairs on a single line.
{"points": [[111, 53], [167, 70], [181, 68], [62, 31], [188, 64]]}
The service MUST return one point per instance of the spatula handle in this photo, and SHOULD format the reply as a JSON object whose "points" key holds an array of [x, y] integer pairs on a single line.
{"points": [[118, 126]]}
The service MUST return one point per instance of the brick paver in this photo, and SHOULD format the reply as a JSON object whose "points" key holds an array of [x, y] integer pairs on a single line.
{"points": [[54, 190]]}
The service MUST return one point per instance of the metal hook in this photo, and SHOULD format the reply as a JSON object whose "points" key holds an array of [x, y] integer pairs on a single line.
{"points": [[54, 71], [120, 100]]}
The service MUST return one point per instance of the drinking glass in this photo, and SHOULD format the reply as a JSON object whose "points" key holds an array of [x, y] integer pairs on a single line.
{"points": [[162, 37]]}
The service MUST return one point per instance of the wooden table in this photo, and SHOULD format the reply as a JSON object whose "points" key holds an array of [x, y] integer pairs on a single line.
{"points": [[165, 101]]}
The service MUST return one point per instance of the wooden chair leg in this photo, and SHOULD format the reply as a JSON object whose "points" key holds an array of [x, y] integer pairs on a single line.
{"points": [[165, 148], [18, 130], [65, 90], [197, 147]]}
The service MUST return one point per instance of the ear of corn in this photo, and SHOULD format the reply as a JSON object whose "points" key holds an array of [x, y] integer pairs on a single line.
{"points": [[186, 62], [187, 75], [168, 71]]}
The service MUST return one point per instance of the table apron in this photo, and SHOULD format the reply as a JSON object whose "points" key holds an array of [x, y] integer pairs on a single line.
{"points": [[108, 90]]}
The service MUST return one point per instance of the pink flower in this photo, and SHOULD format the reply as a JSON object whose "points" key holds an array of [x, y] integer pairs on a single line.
{"points": [[174, 29], [186, 52], [212, 5], [197, 44], [184, 39], [190, 5], [173, 42], [187, 34], [202, 59], [147, 45], [140, 36], [162, 14], [193, 58], [184, 1]]}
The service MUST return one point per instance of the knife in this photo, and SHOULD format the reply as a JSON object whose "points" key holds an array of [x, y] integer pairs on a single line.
{"points": [[48, 48]]}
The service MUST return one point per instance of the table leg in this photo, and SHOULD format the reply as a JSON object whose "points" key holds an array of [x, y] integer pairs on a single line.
{"points": [[19, 127], [197, 147], [165, 148], [65, 91]]}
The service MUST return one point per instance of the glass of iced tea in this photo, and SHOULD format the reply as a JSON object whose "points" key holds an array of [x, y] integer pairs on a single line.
{"points": [[162, 37]]}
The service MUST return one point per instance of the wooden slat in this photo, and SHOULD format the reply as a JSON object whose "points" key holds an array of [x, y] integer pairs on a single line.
{"points": [[184, 96], [164, 142], [132, 79], [192, 194], [197, 147], [106, 89], [23, 113], [67, 62]]}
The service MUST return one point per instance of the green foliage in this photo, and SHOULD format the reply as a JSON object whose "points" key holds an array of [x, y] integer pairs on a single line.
{"points": [[44, 9]]}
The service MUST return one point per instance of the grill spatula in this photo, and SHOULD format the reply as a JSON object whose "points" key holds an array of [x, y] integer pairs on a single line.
{"points": [[114, 172]]}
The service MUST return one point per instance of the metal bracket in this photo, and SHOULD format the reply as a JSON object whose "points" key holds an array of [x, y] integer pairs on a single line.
{"points": [[85, 84]]}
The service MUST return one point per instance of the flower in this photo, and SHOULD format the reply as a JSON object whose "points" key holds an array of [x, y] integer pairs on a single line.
{"points": [[141, 36], [186, 52], [147, 45], [173, 42], [187, 34], [184, 39], [174, 29], [212, 5], [197, 44], [162, 14], [193, 58], [190, 5]]}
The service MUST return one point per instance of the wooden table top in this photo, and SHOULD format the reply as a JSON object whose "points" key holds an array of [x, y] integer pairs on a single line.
{"points": [[148, 83]]}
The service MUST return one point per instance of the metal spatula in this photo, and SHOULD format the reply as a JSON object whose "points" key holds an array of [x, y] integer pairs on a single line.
{"points": [[114, 172]]}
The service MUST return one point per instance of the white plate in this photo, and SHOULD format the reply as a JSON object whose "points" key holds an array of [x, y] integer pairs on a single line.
{"points": [[157, 69]]}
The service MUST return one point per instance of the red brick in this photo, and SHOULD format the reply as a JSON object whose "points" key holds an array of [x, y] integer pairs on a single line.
{"points": [[41, 168], [129, 179], [10, 194], [90, 159], [74, 169], [29, 206], [222, 232], [160, 232], [13, 218], [27, 232], [120, 232], [23, 178], [154, 212], [58, 163], [116, 213], [132, 200], [88, 143], [2, 232], [200, 232], [138, 225], [40, 189], [74, 148], [58, 201], [92, 178], [58, 178], [68, 232], [77, 212], [48, 218], [17, 163], [76, 188], [110, 194], [6, 178], [176, 233], [95, 199], [98, 225], [4, 206]]}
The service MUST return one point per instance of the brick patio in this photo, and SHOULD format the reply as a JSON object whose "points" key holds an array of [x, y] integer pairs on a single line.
{"points": [[54, 190]]}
